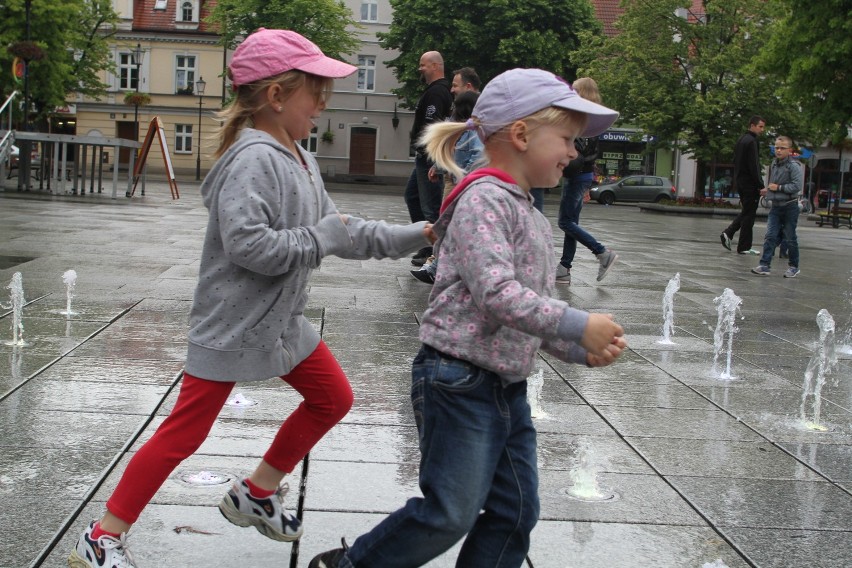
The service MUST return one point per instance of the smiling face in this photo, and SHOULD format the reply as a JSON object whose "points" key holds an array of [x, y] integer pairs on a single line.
{"points": [[301, 112], [549, 149]]}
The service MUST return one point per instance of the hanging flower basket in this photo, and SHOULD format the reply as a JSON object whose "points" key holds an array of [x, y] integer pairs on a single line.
{"points": [[133, 98], [27, 50], [328, 136]]}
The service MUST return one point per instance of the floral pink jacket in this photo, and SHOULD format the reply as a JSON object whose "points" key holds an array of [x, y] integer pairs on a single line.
{"points": [[490, 303]]}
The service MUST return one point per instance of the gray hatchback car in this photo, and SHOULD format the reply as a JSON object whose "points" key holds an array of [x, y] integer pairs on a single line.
{"points": [[650, 189]]}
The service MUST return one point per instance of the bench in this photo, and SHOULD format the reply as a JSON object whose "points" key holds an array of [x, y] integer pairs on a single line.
{"points": [[843, 215]]}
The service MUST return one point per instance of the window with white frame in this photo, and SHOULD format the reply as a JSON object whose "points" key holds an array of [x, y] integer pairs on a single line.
{"points": [[187, 12], [184, 74], [366, 73], [128, 74], [369, 10], [310, 143], [160, 4], [183, 138]]}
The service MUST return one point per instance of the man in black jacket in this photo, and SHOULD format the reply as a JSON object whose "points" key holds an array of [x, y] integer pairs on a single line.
{"points": [[423, 197], [747, 182]]}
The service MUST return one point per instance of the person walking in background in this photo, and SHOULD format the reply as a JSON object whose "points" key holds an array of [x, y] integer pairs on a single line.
{"points": [[468, 155], [748, 182], [270, 224], [422, 196], [782, 193], [465, 79], [489, 312], [578, 177]]}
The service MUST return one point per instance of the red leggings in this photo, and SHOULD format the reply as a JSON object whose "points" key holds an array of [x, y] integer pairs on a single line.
{"points": [[327, 399]]}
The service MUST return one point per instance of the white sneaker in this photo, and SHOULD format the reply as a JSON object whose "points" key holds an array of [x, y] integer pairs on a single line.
{"points": [[606, 259], [105, 552], [267, 515]]}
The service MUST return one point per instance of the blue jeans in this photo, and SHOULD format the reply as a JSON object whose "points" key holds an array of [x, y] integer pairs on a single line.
{"points": [[478, 473], [570, 206], [781, 218], [537, 194]]}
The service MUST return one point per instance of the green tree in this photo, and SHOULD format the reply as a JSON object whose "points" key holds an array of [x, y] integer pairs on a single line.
{"points": [[689, 78], [324, 22], [489, 35], [73, 36], [811, 48]]}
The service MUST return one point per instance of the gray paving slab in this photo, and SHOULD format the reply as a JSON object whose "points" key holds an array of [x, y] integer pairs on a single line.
{"points": [[702, 469]]}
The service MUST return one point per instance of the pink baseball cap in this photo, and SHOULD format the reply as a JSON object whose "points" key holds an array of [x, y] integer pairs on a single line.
{"points": [[518, 93], [267, 53]]}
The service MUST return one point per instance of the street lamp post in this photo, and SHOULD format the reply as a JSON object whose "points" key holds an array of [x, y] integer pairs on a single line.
{"points": [[137, 61], [200, 85]]}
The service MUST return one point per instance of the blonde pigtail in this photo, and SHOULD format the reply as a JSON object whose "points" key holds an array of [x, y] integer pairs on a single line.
{"points": [[440, 140]]}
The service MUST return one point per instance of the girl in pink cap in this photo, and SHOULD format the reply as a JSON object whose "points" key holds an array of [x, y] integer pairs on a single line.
{"points": [[271, 222], [489, 313]]}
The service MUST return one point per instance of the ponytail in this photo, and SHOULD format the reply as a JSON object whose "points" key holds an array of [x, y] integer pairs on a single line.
{"points": [[440, 141]]}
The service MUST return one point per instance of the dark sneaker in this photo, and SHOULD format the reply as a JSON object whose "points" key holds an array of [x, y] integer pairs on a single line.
{"points": [[761, 270], [424, 275], [749, 251], [330, 559], [792, 272], [605, 259], [420, 257], [105, 552], [267, 515], [726, 240]]}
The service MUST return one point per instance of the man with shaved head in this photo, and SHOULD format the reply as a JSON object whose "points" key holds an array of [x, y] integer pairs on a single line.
{"points": [[423, 197]]}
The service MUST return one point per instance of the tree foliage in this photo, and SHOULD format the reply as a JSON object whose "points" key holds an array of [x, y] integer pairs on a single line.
{"points": [[690, 78], [324, 22], [73, 35], [489, 35], [810, 48]]}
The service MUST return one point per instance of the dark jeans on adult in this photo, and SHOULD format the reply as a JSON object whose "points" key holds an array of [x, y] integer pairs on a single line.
{"points": [[537, 194], [478, 472], [744, 222], [429, 192], [782, 218], [573, 190], [412, 198]]}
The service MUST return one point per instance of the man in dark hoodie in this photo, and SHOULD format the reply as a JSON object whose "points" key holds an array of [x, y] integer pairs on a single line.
{"points": [[748, 182], [423, 197]]}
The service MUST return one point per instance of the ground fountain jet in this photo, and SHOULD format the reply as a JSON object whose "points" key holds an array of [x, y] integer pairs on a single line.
{"points": [[69, 278], [727, 306], [16, 304], [823, 361], [668, 310], [535, 383], [584, 478]]}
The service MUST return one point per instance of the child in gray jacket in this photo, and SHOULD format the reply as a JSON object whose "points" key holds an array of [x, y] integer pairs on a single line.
{"points": [[271, 223]]}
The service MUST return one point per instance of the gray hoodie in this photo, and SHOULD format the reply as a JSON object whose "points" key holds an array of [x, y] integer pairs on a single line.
{"points": [[271, 223]]}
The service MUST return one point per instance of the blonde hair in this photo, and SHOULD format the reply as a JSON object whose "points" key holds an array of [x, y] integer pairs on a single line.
{"points": [[588, 89], [250, 99], [440, 138]]}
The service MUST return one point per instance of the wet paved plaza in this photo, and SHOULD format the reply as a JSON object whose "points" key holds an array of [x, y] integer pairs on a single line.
{"points": [[694, 470]]}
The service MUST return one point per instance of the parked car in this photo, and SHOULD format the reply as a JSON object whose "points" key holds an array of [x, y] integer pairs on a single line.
{"points": [[635, 188]]}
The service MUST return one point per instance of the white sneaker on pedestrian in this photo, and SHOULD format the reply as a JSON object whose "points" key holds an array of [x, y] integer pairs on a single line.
{"points": [[606, 259], [105, 552], [268, 515], [792, 272]]}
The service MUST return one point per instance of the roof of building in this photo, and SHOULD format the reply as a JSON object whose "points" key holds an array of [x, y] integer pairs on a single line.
{"points": [[162, 15]]}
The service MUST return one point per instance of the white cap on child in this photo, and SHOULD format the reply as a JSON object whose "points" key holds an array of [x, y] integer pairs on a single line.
{"points": [[518, 93]]}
